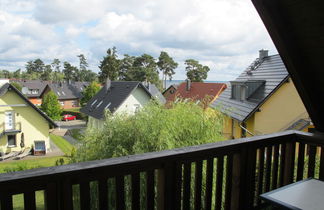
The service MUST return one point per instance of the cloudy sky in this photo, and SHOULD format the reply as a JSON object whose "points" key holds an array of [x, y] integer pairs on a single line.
{"points": [[223, 34]]}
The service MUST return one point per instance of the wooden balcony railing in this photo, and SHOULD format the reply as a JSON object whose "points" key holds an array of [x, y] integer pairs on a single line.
{"points": [[223, 175]]}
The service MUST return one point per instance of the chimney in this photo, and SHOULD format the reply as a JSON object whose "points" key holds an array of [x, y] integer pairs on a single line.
{"points": [[188, 84], [108, 84], [262, 54]]}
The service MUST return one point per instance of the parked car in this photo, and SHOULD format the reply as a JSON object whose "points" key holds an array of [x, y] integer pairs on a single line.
{"points": [[68, 117]]}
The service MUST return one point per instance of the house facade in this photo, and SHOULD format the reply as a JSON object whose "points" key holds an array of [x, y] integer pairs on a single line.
{"points": [[117, 97], [22, 124], [69, 94], [262, 100]]}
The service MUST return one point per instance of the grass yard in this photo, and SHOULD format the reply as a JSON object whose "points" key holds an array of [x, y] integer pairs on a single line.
{"points": [[64, 145], [20, 165]]}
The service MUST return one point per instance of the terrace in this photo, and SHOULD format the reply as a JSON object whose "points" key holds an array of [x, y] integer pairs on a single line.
{"points": [[222, 175]]}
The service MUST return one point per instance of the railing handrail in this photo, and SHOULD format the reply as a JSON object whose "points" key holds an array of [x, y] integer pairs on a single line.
{"points": [[152, 157]]}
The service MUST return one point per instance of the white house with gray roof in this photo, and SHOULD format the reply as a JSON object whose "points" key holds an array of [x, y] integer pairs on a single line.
{"points": [[123, 97]]}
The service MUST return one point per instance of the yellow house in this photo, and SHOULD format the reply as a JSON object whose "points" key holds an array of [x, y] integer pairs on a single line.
{"points": [[262, 100], [22, 124]]}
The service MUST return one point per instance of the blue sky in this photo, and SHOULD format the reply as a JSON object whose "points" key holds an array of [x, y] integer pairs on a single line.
{"points": [[223, 34]]}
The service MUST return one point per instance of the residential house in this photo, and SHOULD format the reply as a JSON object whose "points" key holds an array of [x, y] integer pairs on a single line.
{"points": [[262, 100], [32, 89], [22, 124], [117, 97], [69, 93], [197, 91]]}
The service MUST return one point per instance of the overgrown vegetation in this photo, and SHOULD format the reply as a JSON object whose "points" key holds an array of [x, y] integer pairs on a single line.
{"points": [[154, 128]]}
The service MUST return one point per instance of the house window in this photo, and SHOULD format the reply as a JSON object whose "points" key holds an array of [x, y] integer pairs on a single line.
{"points": [[62, 103], [75, 103], [34, 91], [40, 146], [12, 141]]}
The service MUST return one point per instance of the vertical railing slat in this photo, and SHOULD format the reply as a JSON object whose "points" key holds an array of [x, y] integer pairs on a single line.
{"points": [[321, 172], [247, 197], [228, 187], [120, 193], [274, 181], [103, 194], [150, 194], [198, 182], [209, 182], [6, 201], [268, 168], [67, 195], [261, 173], [186, 185], [135, 191], [300, 163], [51, 197], [282, 164], [311, 161], [85, 195], [219, 182], [29, 200]]}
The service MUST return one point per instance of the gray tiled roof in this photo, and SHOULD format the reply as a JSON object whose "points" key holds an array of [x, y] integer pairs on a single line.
{"points": [[272, 71], [35, 85], [111, 99], [155, 92], [6, 87], [68, 91]]}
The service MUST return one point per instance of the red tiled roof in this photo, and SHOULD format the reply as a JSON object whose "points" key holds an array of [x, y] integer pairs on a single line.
{"points": [[198, 90]]}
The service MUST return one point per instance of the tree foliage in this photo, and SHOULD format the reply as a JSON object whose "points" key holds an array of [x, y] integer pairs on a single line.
{"points": [[51, 106], [89, 92], [196, 72], [109, 66], [167, 65], [154, 128]]}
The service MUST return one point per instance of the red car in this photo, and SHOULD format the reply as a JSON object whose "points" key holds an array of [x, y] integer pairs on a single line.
{"points": [[68, 117]]}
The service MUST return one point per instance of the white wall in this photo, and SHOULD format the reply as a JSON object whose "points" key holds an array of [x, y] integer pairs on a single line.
{"points": [[138, 98]]}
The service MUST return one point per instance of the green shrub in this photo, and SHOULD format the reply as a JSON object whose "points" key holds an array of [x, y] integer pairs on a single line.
{"points": [[154, 128]]}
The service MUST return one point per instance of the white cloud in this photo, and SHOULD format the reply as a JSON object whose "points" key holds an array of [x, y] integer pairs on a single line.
{"points": [[223, 34]]}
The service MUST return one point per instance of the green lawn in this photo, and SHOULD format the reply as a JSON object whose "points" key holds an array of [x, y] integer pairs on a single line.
{"points": [[64, 145], [20, 165]]}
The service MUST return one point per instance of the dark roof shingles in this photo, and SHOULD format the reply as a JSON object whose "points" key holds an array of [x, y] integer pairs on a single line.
{"points": [[272, 70], [115, 96]]}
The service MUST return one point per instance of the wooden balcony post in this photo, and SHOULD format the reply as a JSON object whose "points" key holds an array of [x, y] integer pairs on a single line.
{"points": [[238, 185], [160, 189], [168, 187], [288, 171]]}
